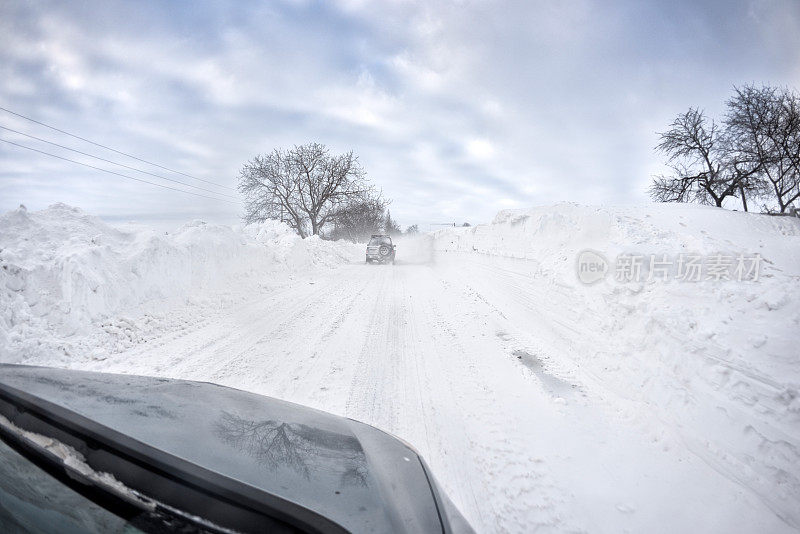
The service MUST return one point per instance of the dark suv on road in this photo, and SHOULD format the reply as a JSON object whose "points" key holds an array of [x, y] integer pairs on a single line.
{"points": [[380, 249]]}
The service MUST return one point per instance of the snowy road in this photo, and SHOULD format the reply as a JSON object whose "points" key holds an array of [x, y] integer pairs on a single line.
{"points": [[472, 360]]}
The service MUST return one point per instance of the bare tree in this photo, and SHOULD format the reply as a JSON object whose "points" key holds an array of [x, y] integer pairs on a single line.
{"points": [[698, 155], [305, 187], [360, 218], [763, 125]]}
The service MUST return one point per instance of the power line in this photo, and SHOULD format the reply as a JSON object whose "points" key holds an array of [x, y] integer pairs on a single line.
{"points": [[115, 163], [117, 173], [113, 149]]}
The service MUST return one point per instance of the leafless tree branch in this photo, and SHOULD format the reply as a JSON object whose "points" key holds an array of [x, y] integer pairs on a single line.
{"points": [[305, 186]]}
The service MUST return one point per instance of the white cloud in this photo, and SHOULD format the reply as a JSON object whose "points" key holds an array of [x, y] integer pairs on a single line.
{"points": [[481, 149], [457, 108]]}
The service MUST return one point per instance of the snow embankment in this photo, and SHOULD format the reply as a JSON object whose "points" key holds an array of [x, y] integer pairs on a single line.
{"points": [[62, 270], [707, 362]]}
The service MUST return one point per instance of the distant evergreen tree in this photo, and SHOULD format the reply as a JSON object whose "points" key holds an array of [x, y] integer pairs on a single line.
{"points": [[391, 226]]}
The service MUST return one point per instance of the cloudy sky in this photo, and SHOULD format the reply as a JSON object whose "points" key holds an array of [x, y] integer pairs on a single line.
{"points": [[456, 109]]}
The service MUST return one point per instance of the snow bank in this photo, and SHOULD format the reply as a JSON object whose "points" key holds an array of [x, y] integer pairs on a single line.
{"points": [[714, 363], [553, 235], [62, 270]]}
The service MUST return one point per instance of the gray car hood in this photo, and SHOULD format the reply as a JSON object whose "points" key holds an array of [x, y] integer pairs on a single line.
{"points": [[355, 475]]}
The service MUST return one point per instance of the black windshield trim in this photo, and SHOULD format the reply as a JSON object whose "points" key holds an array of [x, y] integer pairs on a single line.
{"points": [[162, 476], [140, 517]]}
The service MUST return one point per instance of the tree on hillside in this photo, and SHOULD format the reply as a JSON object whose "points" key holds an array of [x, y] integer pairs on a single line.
{"points": [[306, 186], [702, 171], [754, 154], [412, 230], [763, 125]]}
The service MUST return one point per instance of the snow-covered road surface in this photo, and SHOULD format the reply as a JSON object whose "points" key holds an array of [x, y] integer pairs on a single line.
{"points": [[541, 404], [457, 367]]}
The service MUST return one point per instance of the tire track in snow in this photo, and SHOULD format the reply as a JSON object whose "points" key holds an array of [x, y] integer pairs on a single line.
{"points": [[426, 365], [519, 485]]}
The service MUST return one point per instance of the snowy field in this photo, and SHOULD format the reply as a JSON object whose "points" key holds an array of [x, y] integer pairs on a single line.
{"points": [[541, 403]]}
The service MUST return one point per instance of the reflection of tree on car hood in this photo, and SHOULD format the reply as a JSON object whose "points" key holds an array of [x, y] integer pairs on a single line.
{"points": [[253, 456], [297, 446]]}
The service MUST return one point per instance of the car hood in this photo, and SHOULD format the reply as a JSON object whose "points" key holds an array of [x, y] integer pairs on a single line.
{"points": [[353, 474]]}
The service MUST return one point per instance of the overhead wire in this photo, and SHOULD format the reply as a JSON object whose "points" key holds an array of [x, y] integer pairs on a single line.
{"points": [[116, 173], [111, 149], [115, 163]]}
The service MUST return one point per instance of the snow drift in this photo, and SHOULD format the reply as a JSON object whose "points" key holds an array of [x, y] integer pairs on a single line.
{"points": [[62, 270], [717, 363], [524, 374]]}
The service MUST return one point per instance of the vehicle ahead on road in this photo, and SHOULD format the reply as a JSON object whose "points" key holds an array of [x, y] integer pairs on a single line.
{"points": [[380, 249], [97, 452]]}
